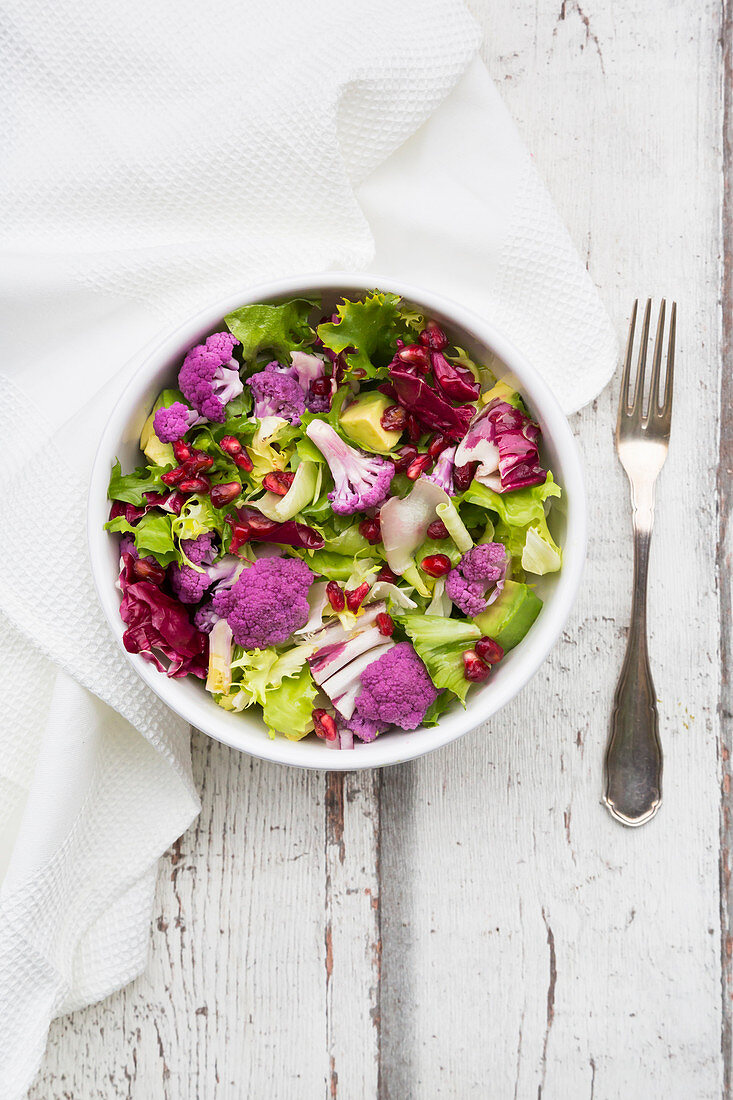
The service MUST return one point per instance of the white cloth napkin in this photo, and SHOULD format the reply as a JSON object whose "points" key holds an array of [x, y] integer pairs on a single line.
{"points": [[159, 156]]}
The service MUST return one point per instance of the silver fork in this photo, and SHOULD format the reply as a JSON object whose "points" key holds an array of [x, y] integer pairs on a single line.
{"points": [[633, 767]]}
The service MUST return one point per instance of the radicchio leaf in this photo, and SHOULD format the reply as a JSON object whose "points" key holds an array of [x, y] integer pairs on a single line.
{"points": [[504, 441], [156, 623], [427, 406], [251, 526]]}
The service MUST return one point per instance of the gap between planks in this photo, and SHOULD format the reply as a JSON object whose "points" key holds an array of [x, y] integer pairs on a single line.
{"points": [[724, 548]]}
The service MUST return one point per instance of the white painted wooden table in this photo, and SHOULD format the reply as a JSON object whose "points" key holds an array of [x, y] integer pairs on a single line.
{"points": [[474, 924]]}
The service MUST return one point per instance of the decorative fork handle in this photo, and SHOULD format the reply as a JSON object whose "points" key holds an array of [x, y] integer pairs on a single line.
{"points": [[634, 754]]}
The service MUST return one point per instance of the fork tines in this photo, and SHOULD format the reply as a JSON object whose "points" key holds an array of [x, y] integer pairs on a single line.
{"points": [[656, 410]]}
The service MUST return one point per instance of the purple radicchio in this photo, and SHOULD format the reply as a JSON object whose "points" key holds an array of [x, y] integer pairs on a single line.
{"points": [[504, 442]]}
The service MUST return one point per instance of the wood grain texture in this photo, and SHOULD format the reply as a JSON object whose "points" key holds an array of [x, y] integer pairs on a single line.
{"points": [[527, 945]]}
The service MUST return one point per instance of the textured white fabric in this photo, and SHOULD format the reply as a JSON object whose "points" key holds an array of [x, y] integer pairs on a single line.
{"points": [[157, 157]]}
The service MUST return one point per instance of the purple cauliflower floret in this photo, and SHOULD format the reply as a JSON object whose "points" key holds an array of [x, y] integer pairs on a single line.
{"points": [[396, 690], [209, 377], [267, 602], [442, 472], [190, 585], [481, 568], [277, 393], [361, 481], [205, 618], [172, 423], [318, 402]]}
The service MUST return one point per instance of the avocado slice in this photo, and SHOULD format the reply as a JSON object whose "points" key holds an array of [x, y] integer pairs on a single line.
{"points": [[160, 454], [361, 422], [509, 618], [504, 392]]}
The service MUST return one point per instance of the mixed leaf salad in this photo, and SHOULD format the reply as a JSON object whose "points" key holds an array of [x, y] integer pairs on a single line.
{"points": [[338, 520]]}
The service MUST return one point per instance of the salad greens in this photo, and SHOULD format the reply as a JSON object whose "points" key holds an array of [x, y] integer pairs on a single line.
{"points": [[339, 519]]}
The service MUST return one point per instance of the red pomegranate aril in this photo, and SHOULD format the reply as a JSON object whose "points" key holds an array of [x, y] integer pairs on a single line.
{"points": [[241, 533], [436, 565], [474, 669], [437, 444], [416, 355], [148, 571], [437, 530], [463, 476], [195, 485], [393, 419], [278, 481], [418, 466], [407, 454], [181, 450], [489, 650], [432, 336], [385, 623], [414, 429], [197, 463], [355, 596], [243, 461], [172, 477], [224, 493], [386, 574], [230, 445], [324, 725], [336, 596], [321, 386], [371, 529]]}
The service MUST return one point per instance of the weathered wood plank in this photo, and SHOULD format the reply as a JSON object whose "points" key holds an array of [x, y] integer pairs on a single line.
{"points": [[725, 557]]}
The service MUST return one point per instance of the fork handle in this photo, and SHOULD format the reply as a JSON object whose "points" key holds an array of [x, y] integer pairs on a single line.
{"points": [[634, 755]]}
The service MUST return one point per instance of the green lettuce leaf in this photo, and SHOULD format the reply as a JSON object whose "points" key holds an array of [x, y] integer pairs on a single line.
{"points": [[440, 706], [278, 329], [288, 708], [130, 488], [440, 643], [521, 512], [152, 534], [370, 328]]}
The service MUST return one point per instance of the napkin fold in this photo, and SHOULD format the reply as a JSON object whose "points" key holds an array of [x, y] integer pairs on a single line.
{"points": [[286, 137]]}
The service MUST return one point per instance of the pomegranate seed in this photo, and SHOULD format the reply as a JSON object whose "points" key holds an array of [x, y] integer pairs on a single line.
{"points": [[371, 529], [355, 596], [437, 530], [278, 481], [393, 419], [336, 596], [225, 493], [197, 463], [416, 355], [172, 477], [325, 725], [414, 429], [385, 624], [230, 445], [406, 455], [436, 565], [148, 571], [474, 668], [321, 386], [432, 336], [243, 461], [195, 485], [489, 650], [418, 466], [463, 476], [386, 574], [181, 450], [437, 444]]}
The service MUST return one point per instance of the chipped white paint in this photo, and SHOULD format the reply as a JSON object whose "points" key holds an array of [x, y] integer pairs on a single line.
{"points": [[530, 946]]}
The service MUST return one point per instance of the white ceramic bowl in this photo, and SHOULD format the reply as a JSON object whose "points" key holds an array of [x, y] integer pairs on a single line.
{"points": [[246, 731]]}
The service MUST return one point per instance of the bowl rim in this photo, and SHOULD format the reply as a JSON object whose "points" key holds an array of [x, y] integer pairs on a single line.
{"points": [[540, 639]]}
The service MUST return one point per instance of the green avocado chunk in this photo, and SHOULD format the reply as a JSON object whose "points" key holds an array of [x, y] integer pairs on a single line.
{"points": [[362, 422], [509, 618]]}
